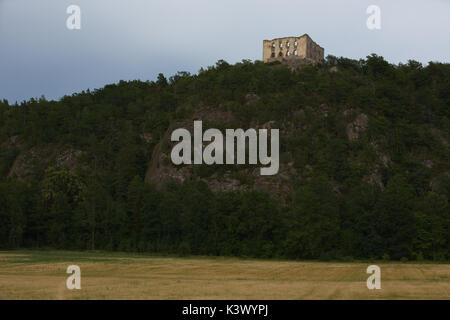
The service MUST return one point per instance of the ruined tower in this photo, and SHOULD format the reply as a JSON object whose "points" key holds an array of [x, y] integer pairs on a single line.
{"points": [[290, 48]]}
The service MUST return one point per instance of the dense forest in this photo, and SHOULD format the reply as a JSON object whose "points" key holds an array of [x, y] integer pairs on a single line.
{"points": [[366, 143]]}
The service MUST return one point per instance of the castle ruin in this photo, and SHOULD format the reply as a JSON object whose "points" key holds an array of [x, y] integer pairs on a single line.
{"points": [[291, 48]]}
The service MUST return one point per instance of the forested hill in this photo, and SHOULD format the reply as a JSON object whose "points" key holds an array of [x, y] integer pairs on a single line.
{"points": [[364, 164]]}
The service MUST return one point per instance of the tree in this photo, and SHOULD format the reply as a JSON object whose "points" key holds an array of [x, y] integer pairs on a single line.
{"points": [[432, 221], [314, 221], [394, 219], [161, 81]]}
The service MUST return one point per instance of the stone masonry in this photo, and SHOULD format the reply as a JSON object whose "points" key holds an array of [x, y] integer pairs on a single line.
{"points": [[291, 48]]}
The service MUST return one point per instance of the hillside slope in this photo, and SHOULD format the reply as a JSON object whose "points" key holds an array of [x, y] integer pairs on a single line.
{"points": [[364, 168]]}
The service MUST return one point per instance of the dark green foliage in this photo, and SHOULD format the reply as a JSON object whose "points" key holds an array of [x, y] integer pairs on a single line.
{"points": [[313, 223], [334, 211]]}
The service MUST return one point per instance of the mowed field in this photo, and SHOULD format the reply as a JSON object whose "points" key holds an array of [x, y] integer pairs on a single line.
{"points": [[42, 275]]}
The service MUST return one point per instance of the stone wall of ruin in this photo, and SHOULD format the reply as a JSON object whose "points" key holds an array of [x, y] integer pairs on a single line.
{"points": [[292, 48]]}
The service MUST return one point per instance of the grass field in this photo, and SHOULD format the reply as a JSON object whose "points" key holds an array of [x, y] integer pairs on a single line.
{"points": [[42, 275]]}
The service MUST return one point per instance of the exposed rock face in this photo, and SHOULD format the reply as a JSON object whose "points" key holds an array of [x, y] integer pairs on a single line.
{"points": [[384, 158], [251, 98], [375, 178], [428, 163], [67, 158], [277, 185], [165, 174], [147, 137], [357, 126], [26, 161], [161, 170], [334, 69], [13, 140], [222, 115]]}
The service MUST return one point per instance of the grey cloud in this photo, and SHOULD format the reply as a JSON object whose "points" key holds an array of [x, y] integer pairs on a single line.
{"points": [[137, 39]]}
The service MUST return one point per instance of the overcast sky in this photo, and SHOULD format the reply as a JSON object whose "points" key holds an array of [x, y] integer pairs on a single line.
{"points": [[137, 39]]}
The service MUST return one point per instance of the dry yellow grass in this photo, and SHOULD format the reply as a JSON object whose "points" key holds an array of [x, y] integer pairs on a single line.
{"points": [[42, 275]]}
